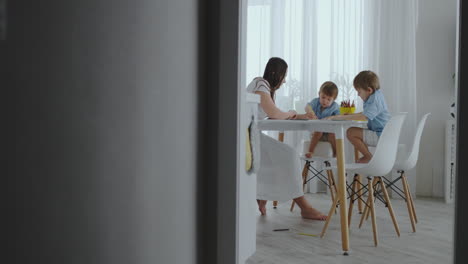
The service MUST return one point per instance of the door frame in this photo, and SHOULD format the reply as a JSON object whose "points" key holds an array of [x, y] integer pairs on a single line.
{"points": [[219, 79], [217, 186]]}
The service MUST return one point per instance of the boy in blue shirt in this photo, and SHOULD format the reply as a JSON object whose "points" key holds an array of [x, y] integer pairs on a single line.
{"points": [[375, 112], [322, 107]]}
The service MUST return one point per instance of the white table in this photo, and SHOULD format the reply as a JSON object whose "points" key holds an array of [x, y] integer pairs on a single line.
{"points": [[339, 128]]}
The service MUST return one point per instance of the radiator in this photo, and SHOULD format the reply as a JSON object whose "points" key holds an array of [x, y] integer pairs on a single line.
{"points": [[450, 159]]}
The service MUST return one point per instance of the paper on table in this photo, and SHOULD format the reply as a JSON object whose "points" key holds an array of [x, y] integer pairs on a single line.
{"points": [[348, 120]]}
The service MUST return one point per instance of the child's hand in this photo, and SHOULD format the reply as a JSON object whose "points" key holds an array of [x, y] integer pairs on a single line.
{"points": [[332, 118], [311, 115], [337, 117], [309, 109]]}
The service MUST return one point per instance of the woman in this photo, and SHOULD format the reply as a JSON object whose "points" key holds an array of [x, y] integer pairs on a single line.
{"points": [[279, 176]]}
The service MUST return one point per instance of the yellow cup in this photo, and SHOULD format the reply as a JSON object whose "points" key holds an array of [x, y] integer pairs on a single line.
{"points": [[347, 110]]}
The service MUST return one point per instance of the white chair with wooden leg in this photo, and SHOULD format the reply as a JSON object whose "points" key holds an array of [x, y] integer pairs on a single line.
{"points": [[404, 163], [358, 178], [316, 165], [381, 164]]}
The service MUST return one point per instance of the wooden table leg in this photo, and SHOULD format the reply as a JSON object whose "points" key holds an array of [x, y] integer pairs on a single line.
{"points": [[281, 136], [342, 191], [281, 139]]}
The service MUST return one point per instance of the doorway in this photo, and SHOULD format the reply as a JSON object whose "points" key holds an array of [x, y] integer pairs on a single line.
{"points": [[265, 10]]}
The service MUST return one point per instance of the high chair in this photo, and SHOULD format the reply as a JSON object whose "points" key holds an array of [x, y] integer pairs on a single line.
{"points": [[381, 163], [323, 156]]}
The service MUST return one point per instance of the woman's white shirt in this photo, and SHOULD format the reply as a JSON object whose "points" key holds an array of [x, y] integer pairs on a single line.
{"points": [[279, 176], [259, 84]]}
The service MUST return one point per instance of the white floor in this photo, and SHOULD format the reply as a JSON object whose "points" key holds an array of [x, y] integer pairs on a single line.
{"points": [[432, 242]]}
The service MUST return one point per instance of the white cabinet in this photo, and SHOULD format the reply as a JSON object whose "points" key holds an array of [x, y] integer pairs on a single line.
{"points": [[247, 185]]}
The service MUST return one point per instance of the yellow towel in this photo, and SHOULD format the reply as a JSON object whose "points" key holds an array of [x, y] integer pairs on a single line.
{"points": [[248, 152]]}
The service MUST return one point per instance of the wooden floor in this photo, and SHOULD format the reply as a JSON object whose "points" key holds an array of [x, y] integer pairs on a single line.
{"points": [[432, 242]]}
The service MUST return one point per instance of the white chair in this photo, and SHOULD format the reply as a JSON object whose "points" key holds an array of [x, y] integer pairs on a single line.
{"points": [[381, 163], [323, 156], [406, 162]]}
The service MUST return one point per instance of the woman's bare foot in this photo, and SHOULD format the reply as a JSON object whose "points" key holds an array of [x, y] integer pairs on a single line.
{"points": [[309, 154], [364, 159], [262, 206], [314, 214]]}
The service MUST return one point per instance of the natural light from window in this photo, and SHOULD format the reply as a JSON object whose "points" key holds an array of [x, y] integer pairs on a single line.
{"points": [[318, 40]]}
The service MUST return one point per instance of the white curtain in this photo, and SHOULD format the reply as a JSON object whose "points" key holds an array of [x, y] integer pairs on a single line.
{"points": [[334, 40], [390, 50]]}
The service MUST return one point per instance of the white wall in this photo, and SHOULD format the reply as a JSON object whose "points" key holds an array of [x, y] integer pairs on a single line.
{"points": [[435, 63], [103, 121], [247, 183], [167, 38]]}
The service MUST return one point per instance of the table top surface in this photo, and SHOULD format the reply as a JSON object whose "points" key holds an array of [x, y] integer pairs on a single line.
{"points": [[295, 124], [312, 121], [323, 125]]}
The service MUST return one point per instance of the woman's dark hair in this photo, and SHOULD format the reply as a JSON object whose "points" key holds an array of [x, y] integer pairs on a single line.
{"points": [[275, 71]]}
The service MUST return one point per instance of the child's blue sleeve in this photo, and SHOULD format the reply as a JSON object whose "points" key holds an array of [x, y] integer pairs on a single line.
{"points": [[313, 102], [336, 109], [371, 108]]}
